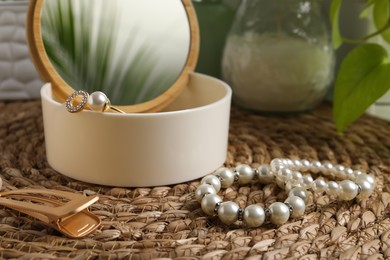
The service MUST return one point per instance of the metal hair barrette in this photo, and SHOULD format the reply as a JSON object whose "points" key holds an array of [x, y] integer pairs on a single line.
{"points": [[65, 211]]}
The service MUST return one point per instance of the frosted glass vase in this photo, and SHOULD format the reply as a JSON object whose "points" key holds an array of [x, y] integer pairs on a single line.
{"points": [[278, 57]]}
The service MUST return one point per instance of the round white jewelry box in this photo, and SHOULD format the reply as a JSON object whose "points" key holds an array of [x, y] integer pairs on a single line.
{"points": [[184, 142]]}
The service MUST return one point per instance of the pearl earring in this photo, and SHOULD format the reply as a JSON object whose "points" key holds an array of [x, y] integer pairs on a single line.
{"points": [[97, 101]]}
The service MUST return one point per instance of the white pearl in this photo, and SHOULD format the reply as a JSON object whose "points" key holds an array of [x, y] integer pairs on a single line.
{"points": [[366, 177], [203, 190], [297, 163], [348, 172], [209, 202], [339, 168], [327, 168], [298, 206], [357, 173], [319, 185], [307, 181], [289, 186], [213, 181], [305, 165], [296, 177], [97, 101], [348, 190], [265, 174], [300, 192], [289, 163], [277, 164], [366, 189], [339, 171], [280, 213], [227, 177], [277, 161], [228, 212], [245, 174], [333, 189], [366, 184], [254, 216], [316, 166], [284, 174]]}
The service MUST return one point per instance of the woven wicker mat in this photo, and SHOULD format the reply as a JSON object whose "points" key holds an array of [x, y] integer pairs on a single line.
{"points": [[166, 222]]}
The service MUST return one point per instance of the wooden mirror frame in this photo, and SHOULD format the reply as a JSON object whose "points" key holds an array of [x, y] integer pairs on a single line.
{"points": [[61, 90]]}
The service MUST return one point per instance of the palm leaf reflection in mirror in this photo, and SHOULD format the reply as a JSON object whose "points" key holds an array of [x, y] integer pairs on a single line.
{"points": [[90, 51]]}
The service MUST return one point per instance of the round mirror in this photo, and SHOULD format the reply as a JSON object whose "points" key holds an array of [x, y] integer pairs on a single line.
{"points": [[139, 53]]}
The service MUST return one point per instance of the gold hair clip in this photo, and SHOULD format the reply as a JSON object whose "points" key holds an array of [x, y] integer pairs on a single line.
{"points": [[97, 101], [70, 217]]}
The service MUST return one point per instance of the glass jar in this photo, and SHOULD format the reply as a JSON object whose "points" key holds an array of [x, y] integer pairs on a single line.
{"points": [[215, 20], [278, 56]]}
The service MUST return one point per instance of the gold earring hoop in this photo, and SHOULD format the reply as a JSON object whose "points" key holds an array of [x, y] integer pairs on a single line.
{"points": [[96, 101]]}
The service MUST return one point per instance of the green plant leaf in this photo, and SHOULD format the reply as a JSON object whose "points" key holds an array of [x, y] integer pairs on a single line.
{"points": [[364, 76], [337, 40], [367, 8], [381, 15]]}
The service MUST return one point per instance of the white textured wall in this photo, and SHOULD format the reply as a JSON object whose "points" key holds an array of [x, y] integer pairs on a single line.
{"points": [[18, 77]]}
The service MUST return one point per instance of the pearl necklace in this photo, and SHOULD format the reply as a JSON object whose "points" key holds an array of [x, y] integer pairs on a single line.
{"points": [[287, 175]]}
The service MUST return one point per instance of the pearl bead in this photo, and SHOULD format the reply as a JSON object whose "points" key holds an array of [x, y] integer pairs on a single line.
{"points": [[316, 166], [297, 204], [366, 189], [97, 101], [307, 181], [265, 174], [203, 190], [297, 163], [327, 168], [228, 212], [366, 177], [319, 185], [277, 161], [245, 174], [333, 188], [348, 190], [305, 165], [280, 213], [296, 177], [339, 171], [254, 216], [339, 168], [284, 174], [227, 177], [289, 163], [209, 202], [357, 173], [213, 181], [289, 186], [277, 165], [348, 172], [366, 184], [300, 192]]}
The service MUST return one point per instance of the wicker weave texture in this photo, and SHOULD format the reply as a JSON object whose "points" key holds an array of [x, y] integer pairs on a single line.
{"points": [[166, 222]]}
